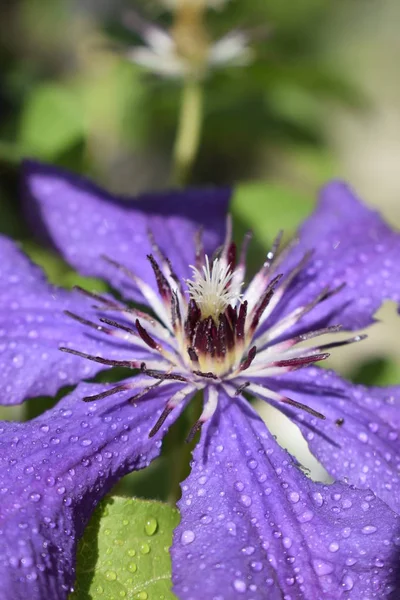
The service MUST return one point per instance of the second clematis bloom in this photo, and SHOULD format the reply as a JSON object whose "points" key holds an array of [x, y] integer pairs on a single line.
{"points": [[252, 524]]}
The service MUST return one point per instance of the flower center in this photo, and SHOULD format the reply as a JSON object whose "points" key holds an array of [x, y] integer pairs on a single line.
{"points": [[210, 288], [208, 334]]}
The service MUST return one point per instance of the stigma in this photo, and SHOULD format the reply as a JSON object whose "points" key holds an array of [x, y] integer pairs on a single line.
{"points": [[211, 288]]}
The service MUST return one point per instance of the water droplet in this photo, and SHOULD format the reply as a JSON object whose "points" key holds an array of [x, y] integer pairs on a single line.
{"points": [[141, 596], [132, 567], [256, 566], [205, 519], [318, 499], [231, 527], [294, 497], [144, 548], [151, 526], [239, 586], [239, 486], [347, 583], [287, 542], [306, 516], [35, 497], [248, 550], [99, 589], [346, 532], [322, 568], [187, 537], [368, 529], [245, 500], [18, 361], [333, 547], [131, 552], [111, 575]]}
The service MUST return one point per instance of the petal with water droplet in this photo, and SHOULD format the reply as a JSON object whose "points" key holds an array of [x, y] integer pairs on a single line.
{"points": [[52, 489], [365, 448], [353, 247], [84, 222], [285, 542], [33, 365]]}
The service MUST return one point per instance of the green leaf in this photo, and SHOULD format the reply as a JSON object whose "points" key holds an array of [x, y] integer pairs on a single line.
{"points": [[269, 207], [124, 552], [266, 208], [377, 371], [52, 120]]}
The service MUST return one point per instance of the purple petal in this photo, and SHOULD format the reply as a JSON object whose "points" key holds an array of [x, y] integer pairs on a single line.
{"points": [[254, 526], [84, 223], [33, 327], [53, 472], [353, 246], [364, 449]]}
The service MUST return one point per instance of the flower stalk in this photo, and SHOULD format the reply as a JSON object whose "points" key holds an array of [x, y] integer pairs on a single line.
{"points": [[189, 131]]}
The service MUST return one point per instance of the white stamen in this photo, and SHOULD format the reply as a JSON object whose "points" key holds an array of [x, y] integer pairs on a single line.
{"points": [[210, 288]]}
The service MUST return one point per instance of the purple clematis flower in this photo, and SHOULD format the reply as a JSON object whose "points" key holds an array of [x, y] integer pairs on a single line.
{"points": [[252, 524]]}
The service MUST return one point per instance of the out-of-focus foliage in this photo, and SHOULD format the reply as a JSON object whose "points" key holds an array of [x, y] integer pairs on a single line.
{"points": [[69, 97]]}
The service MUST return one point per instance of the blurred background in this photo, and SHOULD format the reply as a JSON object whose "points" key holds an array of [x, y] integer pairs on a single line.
{"points": [[273, 97]]}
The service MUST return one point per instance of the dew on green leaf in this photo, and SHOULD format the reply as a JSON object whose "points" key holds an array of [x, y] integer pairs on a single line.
{"points": [[132, 567], [105, 554], [144, 548], [151, 526]]}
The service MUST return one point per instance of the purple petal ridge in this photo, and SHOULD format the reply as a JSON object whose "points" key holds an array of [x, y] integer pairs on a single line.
{"points": [[353, 247], [365, 448], [84, 222], [254, 526], [53, 472], [33, 326]]}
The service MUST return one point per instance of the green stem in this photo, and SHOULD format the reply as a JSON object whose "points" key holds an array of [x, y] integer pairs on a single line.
{"points": [[189, 129], [181, 460], [181, 452]]}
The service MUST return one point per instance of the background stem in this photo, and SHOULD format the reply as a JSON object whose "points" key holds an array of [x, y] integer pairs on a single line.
{"points": [[188, 133]]}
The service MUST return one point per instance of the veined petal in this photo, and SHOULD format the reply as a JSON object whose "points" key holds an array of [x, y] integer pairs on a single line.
{"points": [[364, 446], [254, 526], [33, 326], [85, 223], [352, 246], [53, 472]]}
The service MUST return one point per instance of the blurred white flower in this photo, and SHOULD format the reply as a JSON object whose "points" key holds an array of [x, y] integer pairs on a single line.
{"points": [[217, 4], [185, 50]]}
